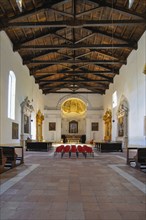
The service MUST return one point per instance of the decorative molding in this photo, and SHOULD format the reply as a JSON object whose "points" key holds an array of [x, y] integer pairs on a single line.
{"points": [[26, 110]]}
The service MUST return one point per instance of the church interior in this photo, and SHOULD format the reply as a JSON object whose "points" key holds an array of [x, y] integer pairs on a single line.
{"points": [[72, 110]]}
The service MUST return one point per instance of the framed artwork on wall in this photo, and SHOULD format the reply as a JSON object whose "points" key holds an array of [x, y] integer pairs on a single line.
{"points": [[26, 124], [15, 130], [94, 126], [52, 126], [73, 127]]}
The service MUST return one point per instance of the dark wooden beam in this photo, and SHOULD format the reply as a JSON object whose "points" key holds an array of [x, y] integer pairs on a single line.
{"points": [[75, 61], [68, 81], [98, 73], [73, 92], [75, 23], [76, 47]]}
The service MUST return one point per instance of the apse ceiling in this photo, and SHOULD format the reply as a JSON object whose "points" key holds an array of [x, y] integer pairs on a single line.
{"points": [[73, 46]]}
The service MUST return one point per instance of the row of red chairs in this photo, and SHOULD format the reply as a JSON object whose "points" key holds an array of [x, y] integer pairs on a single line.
{"points": [[85, 150]]}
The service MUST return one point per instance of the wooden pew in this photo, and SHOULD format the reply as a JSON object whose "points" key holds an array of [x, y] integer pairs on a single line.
{"points": [[139, 160], [12, 158], [9, 153], [3, 160]]}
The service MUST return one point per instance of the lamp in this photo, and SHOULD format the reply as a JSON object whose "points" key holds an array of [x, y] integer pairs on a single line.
{"points": [[19, 3]]}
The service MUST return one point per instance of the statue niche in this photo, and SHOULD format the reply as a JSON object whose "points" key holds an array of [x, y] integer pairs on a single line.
{"points": [[39, 122], [108, 125]]}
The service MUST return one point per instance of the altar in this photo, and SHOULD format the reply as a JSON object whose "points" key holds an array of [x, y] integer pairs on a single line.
{"points": [[73, 140]]}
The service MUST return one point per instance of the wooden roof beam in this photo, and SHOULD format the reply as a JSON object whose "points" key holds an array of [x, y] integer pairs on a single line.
{"points": [[74, 23], [98, 73], [75, 61], [74, 92], [76, 46], [68, 81]]}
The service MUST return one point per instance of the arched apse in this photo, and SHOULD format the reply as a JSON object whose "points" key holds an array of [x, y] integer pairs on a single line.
{"points": [[62, 100]]}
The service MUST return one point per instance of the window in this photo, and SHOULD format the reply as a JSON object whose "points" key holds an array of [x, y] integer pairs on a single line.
{"points": [[11, 95], [114, 97]]}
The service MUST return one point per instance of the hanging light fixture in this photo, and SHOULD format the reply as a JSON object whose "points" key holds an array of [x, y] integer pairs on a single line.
{"points": [[130, 3], [19, 3]]}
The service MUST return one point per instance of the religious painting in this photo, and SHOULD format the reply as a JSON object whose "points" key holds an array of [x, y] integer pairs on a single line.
{"points": [[73, 127], [94, 126], [26, 124], [121, 126], [15, 129], [52, 126]]}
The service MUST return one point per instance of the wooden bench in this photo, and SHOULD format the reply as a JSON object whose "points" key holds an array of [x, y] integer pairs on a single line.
{"points": [[12, 158], [139, 160], [3, 160], [9, 153]]}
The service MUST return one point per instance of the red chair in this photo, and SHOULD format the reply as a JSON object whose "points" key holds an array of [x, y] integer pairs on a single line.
{"points": [[59, 149], [89, 151], [73, 151], [81, 151], [66, 150]]}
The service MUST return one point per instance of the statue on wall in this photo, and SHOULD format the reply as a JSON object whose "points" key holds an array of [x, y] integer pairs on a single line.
{"points": [[108, 125], [39, 122]]}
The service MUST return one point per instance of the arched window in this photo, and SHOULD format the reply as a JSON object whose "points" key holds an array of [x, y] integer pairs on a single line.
{"points": [[11, 95]]}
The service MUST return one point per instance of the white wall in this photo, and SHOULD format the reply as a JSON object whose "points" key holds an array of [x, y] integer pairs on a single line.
{"points": [[25, 86], [131, 83]]}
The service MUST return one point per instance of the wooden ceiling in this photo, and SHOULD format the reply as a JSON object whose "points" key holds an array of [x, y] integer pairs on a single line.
{"points": [[73, 46]]}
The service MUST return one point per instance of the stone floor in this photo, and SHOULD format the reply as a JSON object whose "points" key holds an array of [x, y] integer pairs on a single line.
{"points": [[48, 188]]}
